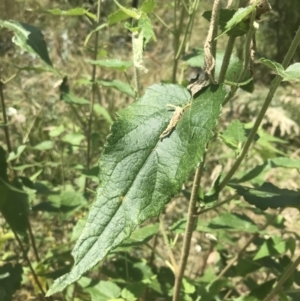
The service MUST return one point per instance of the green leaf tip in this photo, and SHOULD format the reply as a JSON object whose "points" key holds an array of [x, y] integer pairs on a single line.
{"points": [[139, 171]]}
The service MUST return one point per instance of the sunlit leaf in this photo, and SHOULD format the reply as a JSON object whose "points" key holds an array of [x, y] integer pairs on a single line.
{"points": [[131, 12], [292, 73], [234, 135], [45, 145]]}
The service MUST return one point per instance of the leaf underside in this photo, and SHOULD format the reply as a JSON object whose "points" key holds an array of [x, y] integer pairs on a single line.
{"points": [[139, 172]]}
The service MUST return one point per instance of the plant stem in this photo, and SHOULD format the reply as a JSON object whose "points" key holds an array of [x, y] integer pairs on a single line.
{"points": [[177, 34], [274, 85], [162, 22], [191, 218], [187, 29], [136, 78], [178, 47], [94, 92], [32, 239], [6, 132], [283, 279], [226, 59], [246, 58]]}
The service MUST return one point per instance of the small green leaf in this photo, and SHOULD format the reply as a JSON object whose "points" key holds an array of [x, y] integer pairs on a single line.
{"points": [[235, 135], [117, 17], [131, 12], [13, 155], [118, 85], [148, 6], [29, 38], [226, 15], [67, 96], [133, 291], [239, 16], [188, 287], [56, 131], [93, 31], [73, 138], [99, 110], [233, 222], [269, 196], [45, 145], [267, 249], [64, 202], [278, 68], [246, 266], [145, 26], [103, 291], [292, 73], [140, 236], [140, 171], [114, 64]]}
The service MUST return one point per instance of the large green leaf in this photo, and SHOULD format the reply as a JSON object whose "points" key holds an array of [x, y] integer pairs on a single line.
{"points": [[140, 171]]}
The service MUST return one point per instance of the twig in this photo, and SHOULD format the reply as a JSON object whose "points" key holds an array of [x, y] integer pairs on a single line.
{"points": [[93, 100], [35, 277], [163, 22], [283, 279], [32, 239], [177, 34], [226, 59], [191, 218]]}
